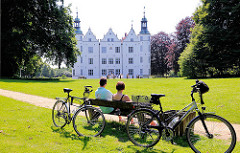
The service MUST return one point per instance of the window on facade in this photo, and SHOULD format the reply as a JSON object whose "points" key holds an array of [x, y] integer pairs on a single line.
{"points": [[81, 48], [110, 61], [117, 49], [141, 38], [112, 40], [110, 48], [130, 71], [90, 61], [104, 61], [117, 61], [81, 59], [108, 39], [130, 49], [80, 38], [90, 72], [117, 72], [110, 71], [131, 39], [130, 60], [141, 59], [81, 72], [89, 39], [104, 49], [73, 72], [141, 71], [141, 48], [90, 49], [104, 72]]}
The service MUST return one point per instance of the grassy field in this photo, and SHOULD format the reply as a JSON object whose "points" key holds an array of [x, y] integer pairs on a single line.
{"points": [[222, 98], [28, 128]]}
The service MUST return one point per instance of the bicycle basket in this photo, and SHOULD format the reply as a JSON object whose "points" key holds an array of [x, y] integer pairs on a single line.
{"points": [[141, 98], [203, 87]]}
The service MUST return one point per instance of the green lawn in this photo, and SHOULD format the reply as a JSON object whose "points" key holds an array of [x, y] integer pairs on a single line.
{"points": [[222, 98], [28, 128]]}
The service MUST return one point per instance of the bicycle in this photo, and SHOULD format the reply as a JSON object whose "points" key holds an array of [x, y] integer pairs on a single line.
{"points": [[87, 120], [145, 126]]}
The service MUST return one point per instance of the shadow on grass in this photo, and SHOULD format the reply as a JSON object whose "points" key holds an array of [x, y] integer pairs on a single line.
{"points": [[70, 135], [117, 130], [181, 141], [36, 80]]}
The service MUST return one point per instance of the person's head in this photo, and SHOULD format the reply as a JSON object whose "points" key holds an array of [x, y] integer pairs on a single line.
{"points": [[103, 82], [120, 86]]}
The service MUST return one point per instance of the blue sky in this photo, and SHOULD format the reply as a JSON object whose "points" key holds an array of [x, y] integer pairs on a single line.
{"points": [[100, 15]]}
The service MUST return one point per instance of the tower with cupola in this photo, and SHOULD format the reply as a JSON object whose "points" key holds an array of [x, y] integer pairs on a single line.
{"points": [[145, 48], [111, 56]]}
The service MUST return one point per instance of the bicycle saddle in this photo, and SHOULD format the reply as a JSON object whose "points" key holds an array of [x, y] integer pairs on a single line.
{"points": [[67, 90], [157, 96]]}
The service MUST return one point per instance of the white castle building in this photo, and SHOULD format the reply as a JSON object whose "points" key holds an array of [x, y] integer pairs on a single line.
{"points": [[111, 56]]}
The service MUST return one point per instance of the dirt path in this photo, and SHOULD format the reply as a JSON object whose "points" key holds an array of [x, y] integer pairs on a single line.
{"points": [[48, 103], [40, 101]]}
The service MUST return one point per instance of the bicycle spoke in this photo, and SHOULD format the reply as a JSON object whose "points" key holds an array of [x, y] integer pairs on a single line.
{"points": [[89, 122], [222, 136], [141, 133], [58, 114]]}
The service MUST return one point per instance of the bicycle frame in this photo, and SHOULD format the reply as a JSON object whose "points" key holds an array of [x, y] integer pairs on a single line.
{"points": [[190, 108], [69, 101]]}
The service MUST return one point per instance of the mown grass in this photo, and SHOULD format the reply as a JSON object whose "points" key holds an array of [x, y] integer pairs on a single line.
{"points": [[222, 98], [28, 128]]}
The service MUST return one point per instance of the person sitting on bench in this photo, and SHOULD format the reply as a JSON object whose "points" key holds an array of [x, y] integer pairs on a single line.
{"points": [[119, 96], [120, 86], [104, 94]]}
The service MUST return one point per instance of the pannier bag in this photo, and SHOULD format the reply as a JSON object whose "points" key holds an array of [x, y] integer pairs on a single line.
{"points": [[203, 87]]}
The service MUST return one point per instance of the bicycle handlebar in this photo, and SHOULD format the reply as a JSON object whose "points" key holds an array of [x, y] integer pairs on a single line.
{"points": [[196, 89]]}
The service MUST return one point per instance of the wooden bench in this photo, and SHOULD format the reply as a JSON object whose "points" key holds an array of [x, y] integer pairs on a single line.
{"points": [[125, 107]]}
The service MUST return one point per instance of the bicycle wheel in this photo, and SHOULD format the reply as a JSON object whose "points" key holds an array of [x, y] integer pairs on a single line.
{"points": [[222, 136], [59, 114], [89, 121], [142, 128]]}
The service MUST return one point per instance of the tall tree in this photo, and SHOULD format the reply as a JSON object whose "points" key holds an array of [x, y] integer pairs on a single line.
{"points": [[31, 27], [159, 48], [172, 57], [215, 46], [183, 31]]}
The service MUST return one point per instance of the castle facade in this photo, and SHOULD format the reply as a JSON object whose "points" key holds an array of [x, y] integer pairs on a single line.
{"points": [[113, 57]]}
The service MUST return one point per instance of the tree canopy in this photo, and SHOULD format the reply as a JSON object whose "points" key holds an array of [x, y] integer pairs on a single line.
{"points": [[214, 49], [36, 27], [159, 48]]}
